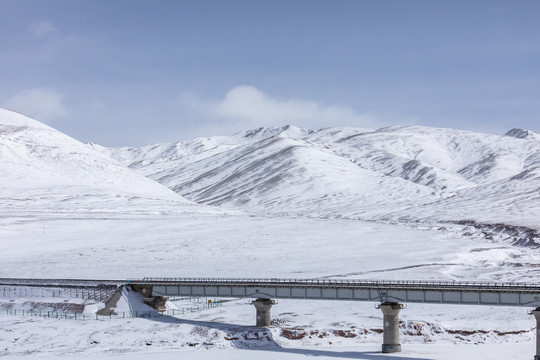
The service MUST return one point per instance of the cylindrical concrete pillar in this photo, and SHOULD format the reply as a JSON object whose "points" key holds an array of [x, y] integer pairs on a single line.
{"points": [[391, 327], [536, 313], [263, 307]]}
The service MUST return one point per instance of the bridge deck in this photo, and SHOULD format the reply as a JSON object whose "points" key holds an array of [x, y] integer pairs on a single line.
{"points": [[437, 292]]}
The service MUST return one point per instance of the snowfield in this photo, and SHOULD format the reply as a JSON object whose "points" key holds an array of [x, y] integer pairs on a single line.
{"points": [[199, 245], [397, 203], [323, 329]]}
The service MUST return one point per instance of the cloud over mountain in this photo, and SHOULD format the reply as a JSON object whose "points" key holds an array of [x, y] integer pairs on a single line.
{"points": [[246, 106], [40, 103]]}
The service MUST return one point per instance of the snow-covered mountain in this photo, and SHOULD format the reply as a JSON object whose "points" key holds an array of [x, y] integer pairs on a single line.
{"points": [[404, 173], [42, 169], [400, 174]]}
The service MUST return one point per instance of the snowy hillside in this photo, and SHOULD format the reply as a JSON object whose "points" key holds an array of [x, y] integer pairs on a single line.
{"points": [[42, 169], [480, 177], [154, 158], [405, 173]]}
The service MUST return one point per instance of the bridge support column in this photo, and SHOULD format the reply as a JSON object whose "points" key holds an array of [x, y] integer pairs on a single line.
{"points": [[536, 313], [263, 307], [390, 326]]}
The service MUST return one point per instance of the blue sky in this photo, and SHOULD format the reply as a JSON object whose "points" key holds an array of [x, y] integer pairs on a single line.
{"points": [[137, 72]]}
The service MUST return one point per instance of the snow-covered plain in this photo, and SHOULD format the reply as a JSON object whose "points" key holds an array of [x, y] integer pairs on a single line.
{"points": [[68, 211], [106, 246], [226, 332]]}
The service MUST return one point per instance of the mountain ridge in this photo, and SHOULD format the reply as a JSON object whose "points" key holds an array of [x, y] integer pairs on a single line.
{"points": [[403, 168]]}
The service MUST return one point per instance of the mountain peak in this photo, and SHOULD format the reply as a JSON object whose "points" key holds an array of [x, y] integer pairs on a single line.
{"points": [[290, 131], [523, 134]]}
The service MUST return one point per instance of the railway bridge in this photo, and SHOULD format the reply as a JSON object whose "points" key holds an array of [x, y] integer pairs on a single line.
{"points": [[391, 295]]}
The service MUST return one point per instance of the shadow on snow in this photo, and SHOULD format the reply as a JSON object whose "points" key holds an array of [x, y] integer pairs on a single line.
{"points": [[269, 344]]}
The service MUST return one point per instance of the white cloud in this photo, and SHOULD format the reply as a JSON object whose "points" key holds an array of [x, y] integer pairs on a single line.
{"points": [[43, 105], [248, 103], [42, 29], [245, 107]]}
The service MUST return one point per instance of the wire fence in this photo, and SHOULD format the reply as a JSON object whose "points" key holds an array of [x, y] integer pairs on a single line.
{"points": [[210, 304], [24, 292]]}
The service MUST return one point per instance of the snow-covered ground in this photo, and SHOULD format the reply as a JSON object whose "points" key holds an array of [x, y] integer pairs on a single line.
{"points": [[303, 328], [120, 246], [361, 352], [246, 246]]}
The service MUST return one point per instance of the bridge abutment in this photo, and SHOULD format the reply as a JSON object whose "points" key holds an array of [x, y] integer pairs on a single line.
{"points": [[391, 326], [263, 307], [157, 302], [536, 313]]}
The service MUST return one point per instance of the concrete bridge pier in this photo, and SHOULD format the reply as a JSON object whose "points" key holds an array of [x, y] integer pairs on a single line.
{"points": [[391, 327], [536, 313], [263, 307]]}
